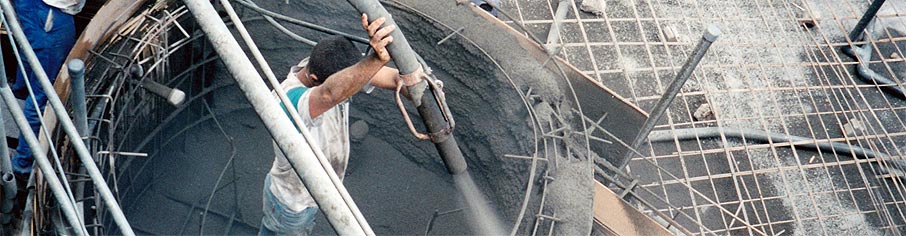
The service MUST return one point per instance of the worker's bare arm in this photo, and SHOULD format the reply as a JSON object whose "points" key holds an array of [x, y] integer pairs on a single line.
{"points": [[345, 83], [386, 78]]}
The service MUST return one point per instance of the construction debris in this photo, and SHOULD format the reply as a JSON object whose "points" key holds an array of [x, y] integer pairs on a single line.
{"points": [[593, 6], [804, 17], [854, 128], [703, 112], [670, 34]]}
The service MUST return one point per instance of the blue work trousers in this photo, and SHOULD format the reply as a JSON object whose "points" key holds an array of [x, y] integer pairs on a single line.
{"points": [[51, 33]]}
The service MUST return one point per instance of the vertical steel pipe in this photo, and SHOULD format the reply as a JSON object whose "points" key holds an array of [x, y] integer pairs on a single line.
{"points": [[660, 108], [298, 153], [870, 13], [15, 28], [76, 69], [77, 96], [426, 104]]}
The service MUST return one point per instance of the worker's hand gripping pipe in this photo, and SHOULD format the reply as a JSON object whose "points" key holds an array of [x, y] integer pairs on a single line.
{"points": [[427, 94]]}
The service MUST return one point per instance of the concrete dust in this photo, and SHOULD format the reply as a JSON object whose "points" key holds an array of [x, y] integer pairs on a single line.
{"points": [[809, 195], [482, 218]]}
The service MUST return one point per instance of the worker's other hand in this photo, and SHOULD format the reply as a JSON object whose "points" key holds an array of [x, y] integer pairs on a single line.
{"points": [[379, 36]]}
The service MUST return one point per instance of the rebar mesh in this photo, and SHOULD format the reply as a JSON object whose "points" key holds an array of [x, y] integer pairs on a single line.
{"points": [[770, 71]]}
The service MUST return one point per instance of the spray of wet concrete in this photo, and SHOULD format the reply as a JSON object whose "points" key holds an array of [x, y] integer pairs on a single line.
{"points": [[397, 181], [482, 218]]}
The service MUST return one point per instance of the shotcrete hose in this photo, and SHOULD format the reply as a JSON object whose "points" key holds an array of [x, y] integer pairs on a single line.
{"points": [[896, 166], [868, 75]]}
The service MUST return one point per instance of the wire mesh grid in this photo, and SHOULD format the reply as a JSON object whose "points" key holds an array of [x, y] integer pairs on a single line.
{"points": [[777, 68]]}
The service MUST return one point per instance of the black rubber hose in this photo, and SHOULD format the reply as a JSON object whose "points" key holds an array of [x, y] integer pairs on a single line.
{"points": [[899, 166], [868, 75]]}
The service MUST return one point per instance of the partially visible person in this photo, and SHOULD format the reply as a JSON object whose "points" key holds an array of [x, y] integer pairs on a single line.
{"points": [[50, 28]]}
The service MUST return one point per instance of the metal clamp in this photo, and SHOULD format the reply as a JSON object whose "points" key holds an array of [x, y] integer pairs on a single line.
{"points": [[437, 87]]}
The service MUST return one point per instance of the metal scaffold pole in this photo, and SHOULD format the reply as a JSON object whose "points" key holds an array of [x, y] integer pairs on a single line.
{"points": [[15, 28], [7, 179], [299, 154], [660, 109]]}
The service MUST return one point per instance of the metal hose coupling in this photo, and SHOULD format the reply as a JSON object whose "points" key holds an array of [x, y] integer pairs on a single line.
{"points": [[416, 83]]}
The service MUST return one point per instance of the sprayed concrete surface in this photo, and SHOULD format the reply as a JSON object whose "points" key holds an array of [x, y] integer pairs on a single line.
{"points": [[397, 181]]}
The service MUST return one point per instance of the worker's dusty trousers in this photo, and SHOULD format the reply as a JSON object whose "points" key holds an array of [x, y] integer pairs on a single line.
{"points": [[51, 32]]}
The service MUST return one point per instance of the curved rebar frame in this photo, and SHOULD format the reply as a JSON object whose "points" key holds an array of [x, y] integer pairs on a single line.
{"points": [[145, 42]]}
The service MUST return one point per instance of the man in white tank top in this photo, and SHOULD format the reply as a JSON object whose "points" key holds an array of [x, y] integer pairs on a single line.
{"points": [[319, 88]]}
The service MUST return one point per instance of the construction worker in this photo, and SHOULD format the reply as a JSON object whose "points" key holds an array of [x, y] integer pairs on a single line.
{"points": [[50, 29], [319, 87]]}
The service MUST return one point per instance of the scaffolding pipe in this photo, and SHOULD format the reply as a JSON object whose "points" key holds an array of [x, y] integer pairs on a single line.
{"points": [[79, 115], [6, 173], [77, 99], [711, 34], [325, 193], [15, 28], [553, 36], [428, 107], [6, 176], [296, 119], [27, 213], [173, 96], [68, 209]]}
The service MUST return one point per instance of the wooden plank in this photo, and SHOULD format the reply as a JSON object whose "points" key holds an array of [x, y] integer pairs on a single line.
{"points": [[619, 218], [104, 25]]}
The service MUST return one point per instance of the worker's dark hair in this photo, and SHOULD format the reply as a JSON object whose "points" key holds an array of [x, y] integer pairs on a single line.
{"points": [[330, 55]]}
